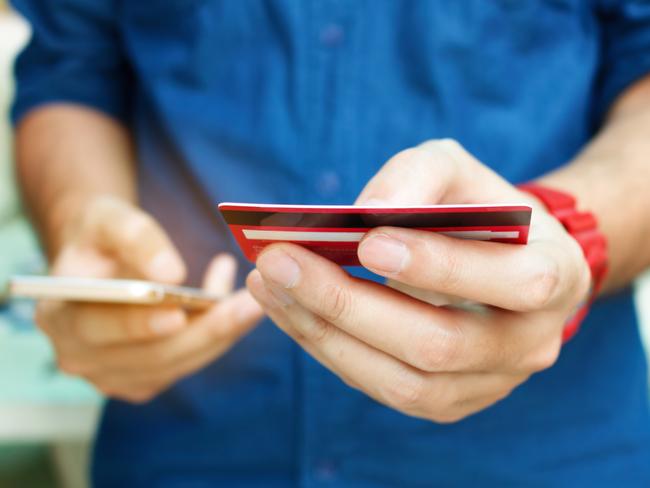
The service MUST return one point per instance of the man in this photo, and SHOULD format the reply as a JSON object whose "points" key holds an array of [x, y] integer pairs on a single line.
{"points": [[136, 118]]}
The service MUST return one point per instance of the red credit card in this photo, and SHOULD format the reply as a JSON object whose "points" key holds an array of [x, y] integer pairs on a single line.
{"points": [[334, 231]]}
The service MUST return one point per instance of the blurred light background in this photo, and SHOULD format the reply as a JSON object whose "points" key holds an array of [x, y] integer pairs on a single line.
{"points": [[47, 420]]}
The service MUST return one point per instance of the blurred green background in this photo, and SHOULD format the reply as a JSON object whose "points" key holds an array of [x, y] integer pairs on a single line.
{"points": [[47, 420]]}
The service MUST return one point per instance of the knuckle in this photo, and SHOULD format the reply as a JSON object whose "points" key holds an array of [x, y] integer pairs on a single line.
{"points": [[542, 284], [96, 207], [337, 303], [406, 156], [544, 357], [507, 391], [97, 211], [428, 353], [450, 144], [405, 391], [436, 351], [450, 271], [447, 149], [102, 204], [318, 331], [443, 400], [448, 417], [582, 281], [155, 357], [136, 226]]}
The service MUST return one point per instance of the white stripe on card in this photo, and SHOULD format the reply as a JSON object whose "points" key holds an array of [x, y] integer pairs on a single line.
{"points": [[338, 236]]}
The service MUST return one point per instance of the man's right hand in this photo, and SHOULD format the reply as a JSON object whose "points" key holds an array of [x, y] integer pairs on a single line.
{"points": [[134, 352]]}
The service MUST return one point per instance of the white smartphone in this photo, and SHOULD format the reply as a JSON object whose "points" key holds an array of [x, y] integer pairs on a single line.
{"points": [[133, 292]]}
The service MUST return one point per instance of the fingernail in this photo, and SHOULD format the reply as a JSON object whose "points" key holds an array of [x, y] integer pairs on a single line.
{"points": [[279, 268], [383, 253], [165, 267], [166, 322]]}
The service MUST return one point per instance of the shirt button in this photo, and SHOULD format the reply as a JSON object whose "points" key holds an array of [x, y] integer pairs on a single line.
{"points": [[332, 35], [328, 183], [325, 470]]}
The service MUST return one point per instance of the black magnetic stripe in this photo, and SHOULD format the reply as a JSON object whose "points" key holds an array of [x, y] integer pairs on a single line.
{"points": [[458, 219]]}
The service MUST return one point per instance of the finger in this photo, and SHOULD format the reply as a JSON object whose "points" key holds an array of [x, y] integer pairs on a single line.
{"points": [[101, 324], [437, 171], [138, 383], [443, 397], [367, 370], [136, 239], [220, 277], [284, 320], [520, 278], [207, 336], [424, 336]]}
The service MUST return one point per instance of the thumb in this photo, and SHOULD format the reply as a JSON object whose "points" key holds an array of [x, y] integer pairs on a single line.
{"points": [[435, 172], [220, 277], [135, 239], [237, 312]]}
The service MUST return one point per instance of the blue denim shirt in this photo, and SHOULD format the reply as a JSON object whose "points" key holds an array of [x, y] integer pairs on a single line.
{"points": [[301, 102]]}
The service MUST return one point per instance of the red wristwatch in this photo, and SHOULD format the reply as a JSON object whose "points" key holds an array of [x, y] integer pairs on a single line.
{"points": [[584, 229]]}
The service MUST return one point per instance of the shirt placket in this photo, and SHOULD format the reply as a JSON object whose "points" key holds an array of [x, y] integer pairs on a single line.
{"points": [[330, 110]]}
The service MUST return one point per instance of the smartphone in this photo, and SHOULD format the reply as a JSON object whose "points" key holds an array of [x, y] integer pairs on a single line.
{"points": [[133, 292]]}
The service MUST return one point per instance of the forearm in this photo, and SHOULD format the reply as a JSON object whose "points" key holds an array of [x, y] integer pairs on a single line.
{"points": [[67, 155], [611, 178]]}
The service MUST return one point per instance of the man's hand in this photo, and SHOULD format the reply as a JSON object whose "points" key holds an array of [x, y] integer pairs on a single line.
{"points": [[134, 352], [439, 363]]}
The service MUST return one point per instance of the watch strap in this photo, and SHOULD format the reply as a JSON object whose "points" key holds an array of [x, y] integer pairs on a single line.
{"points": [[583, 227]]}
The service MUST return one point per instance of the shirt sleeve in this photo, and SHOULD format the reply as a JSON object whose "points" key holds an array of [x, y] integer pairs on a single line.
{"points": [[625, 49], [74, 55]]}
